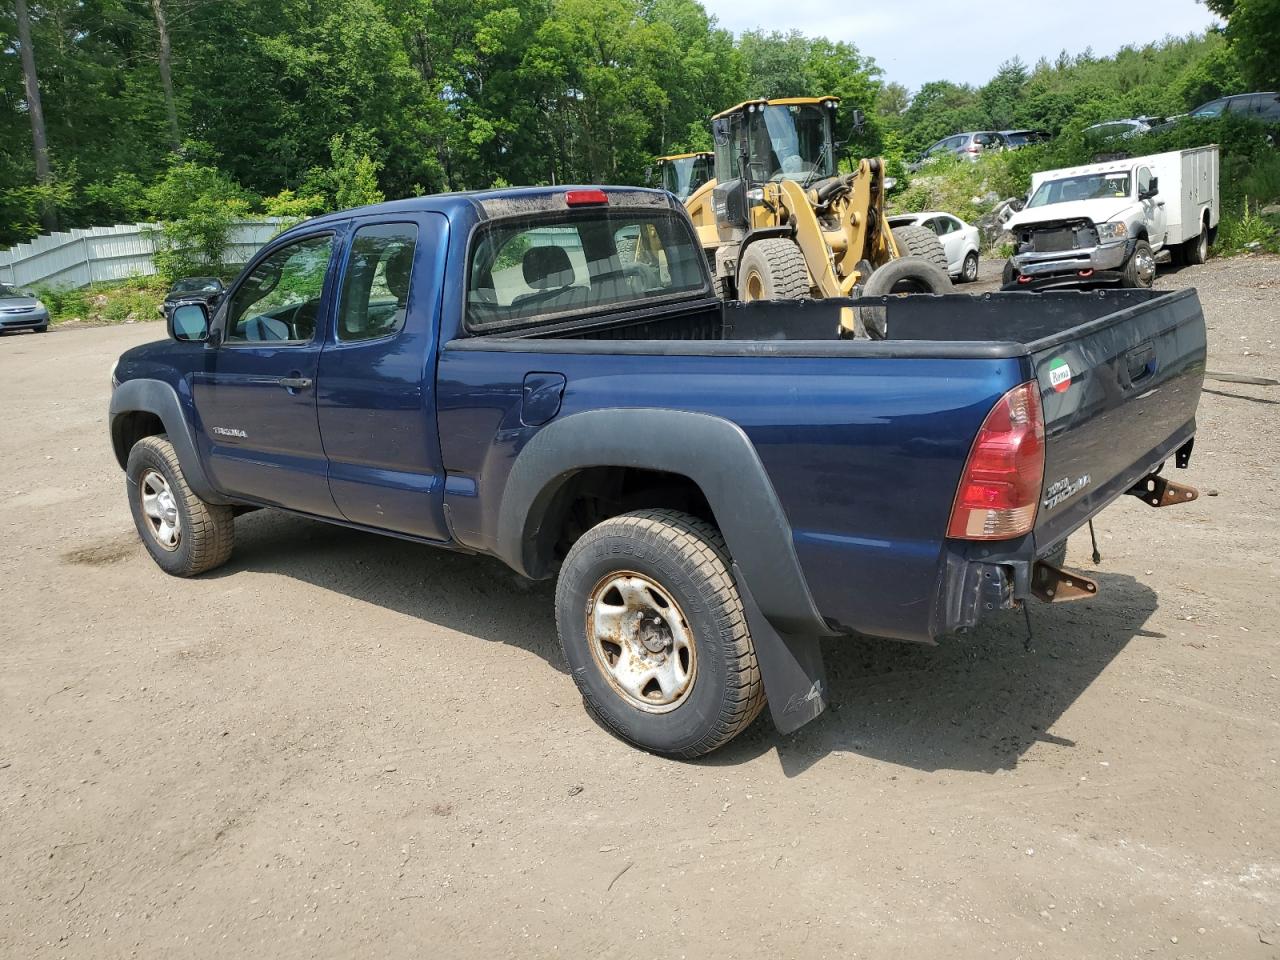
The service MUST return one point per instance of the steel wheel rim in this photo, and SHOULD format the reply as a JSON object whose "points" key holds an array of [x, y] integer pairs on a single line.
{"points": [[755, 287], [1202, 245], [1145, 268], [641, 641], [161, 510]]}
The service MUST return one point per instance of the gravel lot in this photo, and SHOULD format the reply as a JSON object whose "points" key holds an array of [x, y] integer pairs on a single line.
{"points": [[347, 746]]}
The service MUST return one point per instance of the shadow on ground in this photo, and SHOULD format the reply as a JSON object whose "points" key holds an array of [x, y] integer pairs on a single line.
{"points": [[974, 703]]}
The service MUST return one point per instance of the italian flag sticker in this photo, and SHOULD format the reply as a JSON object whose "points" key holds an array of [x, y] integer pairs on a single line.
{"points": [[1059, 375]]}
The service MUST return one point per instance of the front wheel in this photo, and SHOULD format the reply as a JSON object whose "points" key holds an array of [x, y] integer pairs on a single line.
{"points": [[1140, 269], [184, 534], [655, 635], [773, 269]]}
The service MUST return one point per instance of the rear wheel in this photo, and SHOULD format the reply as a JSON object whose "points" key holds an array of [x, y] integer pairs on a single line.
{"points": [[920, 242], [183, 534], [654, 632], [1140, 269], [1196, 250], [969, 271], [773, 269]]}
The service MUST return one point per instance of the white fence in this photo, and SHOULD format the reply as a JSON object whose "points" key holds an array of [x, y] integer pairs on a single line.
{"points": [[81, 257]]}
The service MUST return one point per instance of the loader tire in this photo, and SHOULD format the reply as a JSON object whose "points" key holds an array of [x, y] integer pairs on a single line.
{"points": [[920, 242], [904, 275], [773, 269]]}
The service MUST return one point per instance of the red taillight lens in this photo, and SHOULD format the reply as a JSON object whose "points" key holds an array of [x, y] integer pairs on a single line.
{"points": [[973, 148], [1000, 486], [585, 198]]}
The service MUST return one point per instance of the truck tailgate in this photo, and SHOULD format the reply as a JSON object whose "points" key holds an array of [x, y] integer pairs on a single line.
{"points": [[1119, 396]]}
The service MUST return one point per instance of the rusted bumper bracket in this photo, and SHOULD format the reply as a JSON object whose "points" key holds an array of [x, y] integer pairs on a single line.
{"points": [[1157, 491], [1054, 585]]}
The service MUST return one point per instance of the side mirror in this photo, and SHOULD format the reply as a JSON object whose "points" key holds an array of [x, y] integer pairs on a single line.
{"points": [[859, 121], [648, 176], [189, 322], [1152, 189]]}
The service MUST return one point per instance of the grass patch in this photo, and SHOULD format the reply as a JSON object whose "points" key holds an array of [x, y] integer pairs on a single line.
{"points": [[137, 298]]}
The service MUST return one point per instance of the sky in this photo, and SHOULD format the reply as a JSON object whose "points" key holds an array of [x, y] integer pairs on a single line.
{"points": [[915, 41]]}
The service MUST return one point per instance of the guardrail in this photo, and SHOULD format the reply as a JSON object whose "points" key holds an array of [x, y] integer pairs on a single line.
{"points": [[78, 258]]}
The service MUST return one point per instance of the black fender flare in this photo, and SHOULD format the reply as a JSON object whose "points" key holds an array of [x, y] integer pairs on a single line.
{"points": [[159, 398], [712, 452]]}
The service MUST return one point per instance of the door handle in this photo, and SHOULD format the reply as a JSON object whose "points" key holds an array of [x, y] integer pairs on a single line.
{"points": [[294, 383]]}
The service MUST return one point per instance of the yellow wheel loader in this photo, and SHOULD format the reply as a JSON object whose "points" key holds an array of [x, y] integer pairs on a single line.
{"points": [[781, 222], [683, 173]]}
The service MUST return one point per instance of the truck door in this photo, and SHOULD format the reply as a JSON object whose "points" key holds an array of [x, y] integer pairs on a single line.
{"points": [[376, 399], [255, 399], [1154, 210]]}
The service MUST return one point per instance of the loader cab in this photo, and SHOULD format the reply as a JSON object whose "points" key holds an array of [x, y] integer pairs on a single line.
{"points": [[763, 141], [682, 174]]}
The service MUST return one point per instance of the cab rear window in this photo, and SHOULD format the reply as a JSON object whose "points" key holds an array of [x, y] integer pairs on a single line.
{"points": [[528, 271]]}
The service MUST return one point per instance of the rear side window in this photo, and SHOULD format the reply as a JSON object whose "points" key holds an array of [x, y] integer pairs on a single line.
{"points": [[375, 286], [1270, 107], [530, 270]]}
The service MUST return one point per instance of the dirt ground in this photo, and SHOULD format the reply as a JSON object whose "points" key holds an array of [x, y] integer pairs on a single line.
{"points": [[347, 746]]}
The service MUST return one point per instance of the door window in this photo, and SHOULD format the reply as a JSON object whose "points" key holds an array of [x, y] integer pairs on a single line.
{"points": [[279, 301], [375, 285], [1269, 107], [1211, 109]]}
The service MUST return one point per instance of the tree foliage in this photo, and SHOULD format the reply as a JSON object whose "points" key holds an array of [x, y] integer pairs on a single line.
{"points": [[320, 104]]}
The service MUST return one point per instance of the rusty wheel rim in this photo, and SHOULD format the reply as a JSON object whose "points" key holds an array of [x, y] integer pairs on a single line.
{"points": [[641, 641]]}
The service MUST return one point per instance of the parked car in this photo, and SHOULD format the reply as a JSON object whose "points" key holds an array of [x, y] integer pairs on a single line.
{"points": [[960, 241], [716, 485], [21, 310], [966, 145], [1119, 129], [1114, 221], [204, 289], [1016, 139], [1263, 107]]}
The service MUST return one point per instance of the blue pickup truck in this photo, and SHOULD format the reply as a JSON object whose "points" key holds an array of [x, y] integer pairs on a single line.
{"points": [[546, 376]]}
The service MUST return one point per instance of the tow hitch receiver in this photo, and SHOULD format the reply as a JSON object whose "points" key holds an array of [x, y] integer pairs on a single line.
{"points": [[1053, 585], [1156, 491]]}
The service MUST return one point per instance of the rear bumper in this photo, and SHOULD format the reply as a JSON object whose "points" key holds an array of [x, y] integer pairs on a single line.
{"points": [[1105, 256], [977, 579]]}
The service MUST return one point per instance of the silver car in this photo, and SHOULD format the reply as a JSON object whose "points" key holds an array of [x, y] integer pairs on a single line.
{"points": [[968, 146], [20, 310]]}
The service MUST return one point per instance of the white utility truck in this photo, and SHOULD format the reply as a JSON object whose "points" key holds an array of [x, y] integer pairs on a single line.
{"points": [[1114, 221]]}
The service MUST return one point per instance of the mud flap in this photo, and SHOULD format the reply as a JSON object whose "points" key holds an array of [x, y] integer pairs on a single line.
{"points": [[795, 680]]}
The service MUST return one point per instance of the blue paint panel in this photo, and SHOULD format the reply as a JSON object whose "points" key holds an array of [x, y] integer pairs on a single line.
{"points": [[865, 452]]}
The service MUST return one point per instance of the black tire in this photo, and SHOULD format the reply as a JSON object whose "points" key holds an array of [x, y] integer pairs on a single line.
{"points": [[1196, 250], [722, 287], [773, 269], [907, 275], [1009, 274], [43, 329], [686, 559], [205, 532], [1058, 557], [969, 269], [920, 242], [1133, 274]]}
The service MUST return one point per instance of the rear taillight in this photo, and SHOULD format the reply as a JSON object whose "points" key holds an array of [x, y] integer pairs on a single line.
{"points": [[973, 148], [1000, 486]]}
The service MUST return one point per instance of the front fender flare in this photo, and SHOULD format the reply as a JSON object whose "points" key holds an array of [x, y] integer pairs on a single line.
{"points": [[159, 398], [712, 452]]}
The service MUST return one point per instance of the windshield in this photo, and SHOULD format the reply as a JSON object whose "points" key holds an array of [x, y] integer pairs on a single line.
{"points": [[791, 142], [8, 291], [528, 270], [685, 175], [1092, 186]]}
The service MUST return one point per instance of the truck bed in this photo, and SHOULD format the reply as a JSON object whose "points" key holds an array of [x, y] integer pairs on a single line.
{"points": [[865, 439]]}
